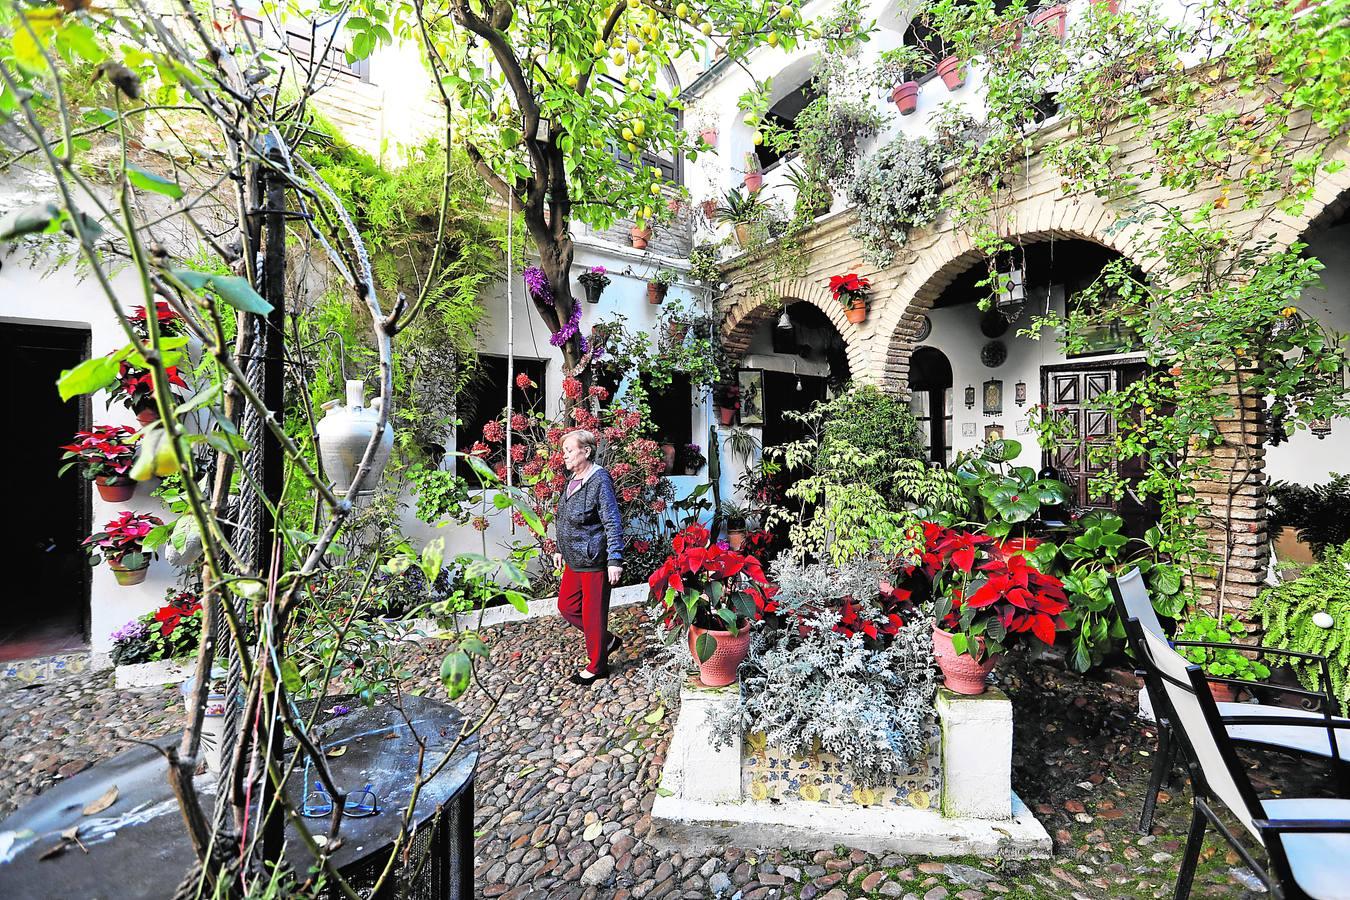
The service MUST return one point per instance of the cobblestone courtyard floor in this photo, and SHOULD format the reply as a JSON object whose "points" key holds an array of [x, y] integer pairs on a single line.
{"points": [[568, 776]]}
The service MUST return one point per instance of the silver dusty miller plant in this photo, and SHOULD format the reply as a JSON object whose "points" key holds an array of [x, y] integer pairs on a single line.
{"points": [[809, 689], [897, 190]]}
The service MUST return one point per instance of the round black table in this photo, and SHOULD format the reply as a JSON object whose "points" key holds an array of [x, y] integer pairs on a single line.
{"points": [[138, 847]]}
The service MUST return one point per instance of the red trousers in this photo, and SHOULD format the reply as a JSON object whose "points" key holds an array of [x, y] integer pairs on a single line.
{"points": [[583, 600]]}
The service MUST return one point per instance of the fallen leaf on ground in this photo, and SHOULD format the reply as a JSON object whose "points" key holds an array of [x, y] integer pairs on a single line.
{"points": [[56, 850], [102, 803], [336, 752]]}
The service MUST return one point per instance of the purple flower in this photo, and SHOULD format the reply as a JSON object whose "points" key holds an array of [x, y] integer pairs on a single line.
{"points": [[569, 329], [537, 284], [133, 630], [598, 270], [340, 709], [723, 545]]}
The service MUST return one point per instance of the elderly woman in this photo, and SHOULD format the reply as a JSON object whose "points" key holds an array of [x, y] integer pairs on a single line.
{"points": [[589, 531]]}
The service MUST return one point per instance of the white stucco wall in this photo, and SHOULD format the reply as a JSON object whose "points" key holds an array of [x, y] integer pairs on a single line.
{"points": [[1304, 459], [62, 298]]}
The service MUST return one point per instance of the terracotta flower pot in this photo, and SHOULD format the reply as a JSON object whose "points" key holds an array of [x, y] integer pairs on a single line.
{"points": [[677, 332], [905, 96], [709, 136], [721, 668], [656, 292], [668, 454], [1051, 19], [1112, 6], [147, 414], [640, 237], [743, 234], [961, 673], [1223, 691], [127, 577], [857, 312], [727, 414], [952, 71], [754, 181], [735, 538], [116, 491], [709, 208]]}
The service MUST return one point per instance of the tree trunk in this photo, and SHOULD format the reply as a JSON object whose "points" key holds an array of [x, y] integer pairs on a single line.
{"points": [[556, 261]]}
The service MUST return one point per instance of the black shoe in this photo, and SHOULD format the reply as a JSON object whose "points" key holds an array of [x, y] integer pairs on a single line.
{"points": [[615, 645], [582, 679]]}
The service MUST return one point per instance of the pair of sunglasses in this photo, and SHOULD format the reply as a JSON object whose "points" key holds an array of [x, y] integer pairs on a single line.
{"points": [[319, 804]]}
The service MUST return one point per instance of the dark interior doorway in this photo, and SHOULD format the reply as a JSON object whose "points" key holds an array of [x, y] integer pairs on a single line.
{"points": [[784, 391], [51, 613], [930, 387]]}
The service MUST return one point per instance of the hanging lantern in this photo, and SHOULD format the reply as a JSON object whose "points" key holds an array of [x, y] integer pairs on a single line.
{"points": [[970, 396], [1320, 427], [784, 321], [1020, 393], [344, 433], [1013, 298]]}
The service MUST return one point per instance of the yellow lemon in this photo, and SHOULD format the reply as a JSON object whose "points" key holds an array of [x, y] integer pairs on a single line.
{"points": [[646, 212], [628, 134], [617, 56], [639, 127], [810, 793], [656, 190], [682, 11], [772, 39], [634, 4], [599, 47], [573, 81], [785, 13], [706, 28], [759, 138], [633, 45], [632, 148]]}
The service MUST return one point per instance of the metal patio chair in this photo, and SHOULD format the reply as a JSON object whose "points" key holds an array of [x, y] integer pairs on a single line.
{"points": [[1306, 839], [1261, 725]]}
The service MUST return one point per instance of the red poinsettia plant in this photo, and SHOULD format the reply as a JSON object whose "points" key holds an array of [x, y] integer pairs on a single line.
{"points": [[171, 324], [850, 288], [104, 451], [986, 593], [710, 586], [135, 387], [122, 541]]}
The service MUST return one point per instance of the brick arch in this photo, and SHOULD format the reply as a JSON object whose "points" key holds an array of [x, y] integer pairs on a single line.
{"points": [[1330, 201], [749, 311], [938, 265]]}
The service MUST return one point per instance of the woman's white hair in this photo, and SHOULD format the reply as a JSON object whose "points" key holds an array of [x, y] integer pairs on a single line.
{"points": [[586, 440]]}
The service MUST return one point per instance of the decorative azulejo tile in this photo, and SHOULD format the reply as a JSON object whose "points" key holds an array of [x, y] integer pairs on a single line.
{"points": [[41, 669]]}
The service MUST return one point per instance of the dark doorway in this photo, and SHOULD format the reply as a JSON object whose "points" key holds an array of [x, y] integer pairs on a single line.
{"points": [[930, 387], [52, 613], [784, 391]]}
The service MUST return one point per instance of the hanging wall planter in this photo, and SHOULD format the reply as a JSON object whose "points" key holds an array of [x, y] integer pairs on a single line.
{"points": [[754, 181], [905, 96], [857, 312], [147, 414], [709, 136], [1051, 20], [115, 490], [952, 71], [656, 292], [127, 577], [640, 237], [594, 281], [343, 434]]}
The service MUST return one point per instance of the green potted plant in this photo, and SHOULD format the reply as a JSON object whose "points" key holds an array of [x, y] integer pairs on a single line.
{"points": [[754, 178], [659, 286], [813, 193], [704, 262], [742, 212], [893, 75], [594, 280], [692, 459], [122, 544], [104, 455], [712, 596], [1220, 662], [1311, 614], [738, 521], [852, 292]]}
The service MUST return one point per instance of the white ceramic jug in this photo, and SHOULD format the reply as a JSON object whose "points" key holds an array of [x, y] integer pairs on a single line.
{"points": [[344, 432]]}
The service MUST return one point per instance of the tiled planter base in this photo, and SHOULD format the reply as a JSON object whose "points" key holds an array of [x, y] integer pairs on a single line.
{"points": [[153, 674], [963, 806]]}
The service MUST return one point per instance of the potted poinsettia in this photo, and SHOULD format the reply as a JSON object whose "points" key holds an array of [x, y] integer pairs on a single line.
{"points": [[135, 389], [122, 544], [712, 594], [104, 455], [987, 596], [171, 324], [852, 292]]}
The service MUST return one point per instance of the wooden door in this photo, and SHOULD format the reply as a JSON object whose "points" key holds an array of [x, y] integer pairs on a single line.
{"points": [[1073, 393]]}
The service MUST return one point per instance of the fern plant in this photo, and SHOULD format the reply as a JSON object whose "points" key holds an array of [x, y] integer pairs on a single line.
{"points": [[1311, 614]]}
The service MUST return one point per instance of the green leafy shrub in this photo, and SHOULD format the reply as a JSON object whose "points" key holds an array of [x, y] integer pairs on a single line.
{"points": [[1286, 614], [1320, 513], [897, 190], [1221, 663], [878, 426]]}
